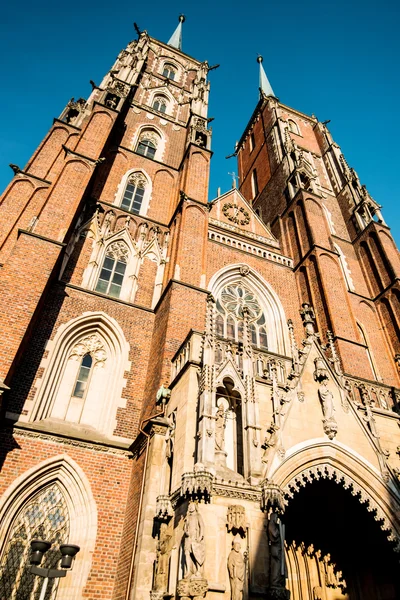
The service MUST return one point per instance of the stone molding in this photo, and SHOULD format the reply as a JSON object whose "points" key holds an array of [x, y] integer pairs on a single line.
{"points": [[45, 437], [327, 471]]}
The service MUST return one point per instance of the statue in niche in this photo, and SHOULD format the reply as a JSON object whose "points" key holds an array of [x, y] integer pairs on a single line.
{"points": [[236, 570], [220, 425], [277, 565], [162, 560], [308, 318], [170, 437], [193, 543], [369, 416]]}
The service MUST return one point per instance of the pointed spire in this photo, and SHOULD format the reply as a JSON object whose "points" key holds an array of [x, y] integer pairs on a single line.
{"points": [[176, 38], [264, 85]]}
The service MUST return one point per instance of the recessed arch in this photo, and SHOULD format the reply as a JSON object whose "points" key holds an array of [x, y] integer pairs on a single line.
{"points": [[269, 300], [140, 180], [335, 461], [82, 510], [104, 338]]}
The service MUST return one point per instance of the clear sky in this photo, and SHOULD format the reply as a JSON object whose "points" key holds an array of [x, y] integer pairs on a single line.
{"points": [[338, 60]]}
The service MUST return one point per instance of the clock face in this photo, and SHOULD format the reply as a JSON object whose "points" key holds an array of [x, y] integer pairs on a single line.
{"points": [[236, 214]]}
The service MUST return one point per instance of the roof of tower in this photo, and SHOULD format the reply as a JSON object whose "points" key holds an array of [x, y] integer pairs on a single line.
{"points": [[176, 38], [264, 84]]}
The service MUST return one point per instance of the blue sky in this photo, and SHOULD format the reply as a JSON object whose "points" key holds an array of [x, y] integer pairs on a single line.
{"points": [[338, 60]]}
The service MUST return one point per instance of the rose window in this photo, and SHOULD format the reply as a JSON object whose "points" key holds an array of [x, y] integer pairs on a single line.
{"points": [[235, 298]]}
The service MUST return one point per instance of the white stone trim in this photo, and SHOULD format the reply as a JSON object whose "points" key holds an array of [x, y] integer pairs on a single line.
{"points": [[119, 194], [105, 397], [276, 322], [81, 506]]}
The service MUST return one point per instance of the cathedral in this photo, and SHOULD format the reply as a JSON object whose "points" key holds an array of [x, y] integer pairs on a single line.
{"points": [[203, 396]]}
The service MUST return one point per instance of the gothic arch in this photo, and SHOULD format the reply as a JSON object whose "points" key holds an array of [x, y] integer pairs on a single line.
{"points": [[81, 507], [148, 188], [271, 304], [335, 461], [155, 131], [103, 337]]}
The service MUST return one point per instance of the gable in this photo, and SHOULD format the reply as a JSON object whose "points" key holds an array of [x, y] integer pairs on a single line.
{"points": [[231, 212]]}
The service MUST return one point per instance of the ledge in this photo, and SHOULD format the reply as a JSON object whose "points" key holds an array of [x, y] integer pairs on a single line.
{"points": [[40, 237]]}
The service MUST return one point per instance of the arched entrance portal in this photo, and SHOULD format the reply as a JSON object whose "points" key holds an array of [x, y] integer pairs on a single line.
{"points": [[335, 548]]}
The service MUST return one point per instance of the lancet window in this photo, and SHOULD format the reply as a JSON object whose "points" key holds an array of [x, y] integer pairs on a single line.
{"points": [[160, 103], [147, 144], [82, 379], [234, 303], [44, 516], [134, 193], [293, 127], [113, 270], [169, 71]]}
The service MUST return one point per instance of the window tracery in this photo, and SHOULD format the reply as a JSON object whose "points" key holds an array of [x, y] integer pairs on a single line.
{"points": [[160, 103], [147, 144], [45, 516], [134, 192], [169, 71], [113, 270], [235, 300]]}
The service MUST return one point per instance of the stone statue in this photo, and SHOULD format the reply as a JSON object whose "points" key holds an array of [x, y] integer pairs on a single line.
{"points": [[193, 543], [308, 318], [236, 570], [330, 577], [277, 571], [161, 576], [326, 398], [220, 428]]}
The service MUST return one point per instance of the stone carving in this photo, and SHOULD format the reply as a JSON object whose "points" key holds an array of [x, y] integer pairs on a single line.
{"points": [[195, 588], [236, 214], [368, 416], [272, 498], [236, 570], [197, 484], [220, 424], [162, 560], [277, 564], [163, 507], [163, 395], [170, 437], [236, 519], [329, 568], [270, 442], [92, 345], [317, 593], [326, 398], [308, 318], [193, 543]]}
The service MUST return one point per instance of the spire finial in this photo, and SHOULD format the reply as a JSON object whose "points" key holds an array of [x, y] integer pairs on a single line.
{"points": [[176, 38], [264, 84]]}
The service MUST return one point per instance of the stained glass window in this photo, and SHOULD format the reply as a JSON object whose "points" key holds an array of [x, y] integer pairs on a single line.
{"points": [[234, 300], [44, 516]]}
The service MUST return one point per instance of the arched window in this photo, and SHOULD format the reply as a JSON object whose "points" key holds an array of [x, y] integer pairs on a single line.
{"points": [[234, 300], [293, 127], [147, 144], [113, 270], [229, 427], [169, 71], [45, 516], [160, 103], [254, 183], [83, 377], [134, 192]]}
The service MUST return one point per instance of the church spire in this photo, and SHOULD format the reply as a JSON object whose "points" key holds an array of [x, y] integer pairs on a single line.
{"points": [[264, 85], [176, 38]]}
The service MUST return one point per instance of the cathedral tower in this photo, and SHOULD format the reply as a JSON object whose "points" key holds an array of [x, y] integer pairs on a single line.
{"points": [[204, 396]]}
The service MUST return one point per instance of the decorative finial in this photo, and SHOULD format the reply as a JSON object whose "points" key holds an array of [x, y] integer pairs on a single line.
{"points": [[264, 84], [176, 38]]}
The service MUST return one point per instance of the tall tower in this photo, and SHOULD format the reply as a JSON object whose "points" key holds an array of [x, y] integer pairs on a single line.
{"points": [[204, 396], [100, 243]]}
